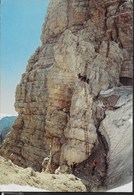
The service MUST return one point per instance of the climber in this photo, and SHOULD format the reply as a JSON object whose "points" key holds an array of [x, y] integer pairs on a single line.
{"points": [[79, 76], [87, 81], [94, 164], [84, 78]]}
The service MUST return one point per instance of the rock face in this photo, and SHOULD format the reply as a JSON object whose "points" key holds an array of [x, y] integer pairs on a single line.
{"points": [[86, 49], [117, 129]]}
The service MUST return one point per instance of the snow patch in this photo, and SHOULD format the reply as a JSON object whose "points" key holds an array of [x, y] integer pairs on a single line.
{"points": [[125, 188], [17, 188], [130, 120]]}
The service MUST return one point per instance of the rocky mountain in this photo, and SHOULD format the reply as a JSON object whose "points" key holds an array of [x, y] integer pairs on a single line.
{"points": [[75, 99], [5, 126]]}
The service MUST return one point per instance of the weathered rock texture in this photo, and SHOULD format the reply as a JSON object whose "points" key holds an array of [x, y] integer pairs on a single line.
{"points": [[117, 130], [56, 106]]}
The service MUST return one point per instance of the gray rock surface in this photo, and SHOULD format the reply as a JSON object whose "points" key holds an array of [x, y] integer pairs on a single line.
{"points": [[117, 129]]}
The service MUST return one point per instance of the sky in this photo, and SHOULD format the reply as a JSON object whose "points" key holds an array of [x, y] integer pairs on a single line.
{"points": [[20, 28]]}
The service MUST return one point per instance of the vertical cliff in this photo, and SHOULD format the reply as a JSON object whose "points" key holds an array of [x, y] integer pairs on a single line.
{"points": [[86, 48]]}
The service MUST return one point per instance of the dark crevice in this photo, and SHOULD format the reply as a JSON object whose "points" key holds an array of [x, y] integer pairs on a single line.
{"points": [[117, 34], [126, 81], [121, 2], [68, 8], [104, 148], [116, 26], [105, 20], [108, 48], [94, 179]]}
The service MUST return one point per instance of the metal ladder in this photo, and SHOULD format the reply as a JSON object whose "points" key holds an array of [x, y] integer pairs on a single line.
{"points": [[86, 129]]}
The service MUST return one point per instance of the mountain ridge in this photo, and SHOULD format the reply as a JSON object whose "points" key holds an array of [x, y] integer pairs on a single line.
{"points": [[65, 122], [6, 125]]}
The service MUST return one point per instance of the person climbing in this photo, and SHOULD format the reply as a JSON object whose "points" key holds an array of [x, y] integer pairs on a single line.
{"points": [[83, 78], [94, 164], [87, 81], [80, 76]]}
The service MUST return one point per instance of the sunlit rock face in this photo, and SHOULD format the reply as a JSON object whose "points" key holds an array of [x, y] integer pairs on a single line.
{"points": [[86, 50]]}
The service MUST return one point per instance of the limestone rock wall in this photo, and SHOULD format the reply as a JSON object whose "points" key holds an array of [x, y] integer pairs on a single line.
{"points": [[86, 48], [79, 122]]}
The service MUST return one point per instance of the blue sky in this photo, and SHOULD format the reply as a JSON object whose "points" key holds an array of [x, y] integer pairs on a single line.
{"points": [[21, 24]]}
